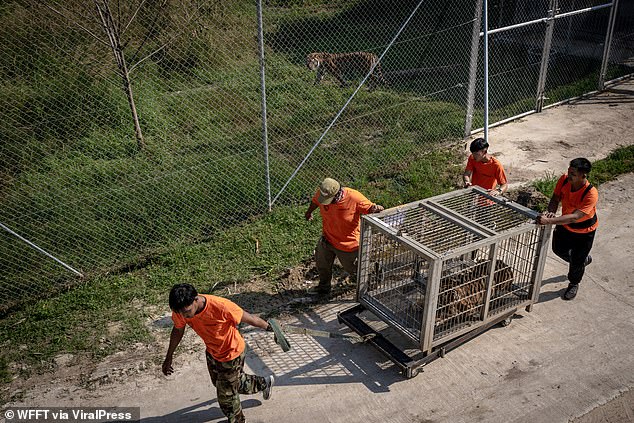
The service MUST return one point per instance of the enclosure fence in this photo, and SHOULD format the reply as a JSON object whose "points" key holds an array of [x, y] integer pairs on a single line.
{"points": [[131, 127]]}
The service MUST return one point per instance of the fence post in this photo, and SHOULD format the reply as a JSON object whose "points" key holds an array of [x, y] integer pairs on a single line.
{"points": [[543, 69], [473, 66], [265, 139], [608, 44], [486, 69]]}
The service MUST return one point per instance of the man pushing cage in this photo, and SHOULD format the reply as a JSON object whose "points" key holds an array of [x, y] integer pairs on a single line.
{"points": [[443, 269], [432, 269]]}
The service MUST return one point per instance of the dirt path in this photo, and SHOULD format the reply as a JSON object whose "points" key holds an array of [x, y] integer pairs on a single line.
{"points": [[555, 364]]}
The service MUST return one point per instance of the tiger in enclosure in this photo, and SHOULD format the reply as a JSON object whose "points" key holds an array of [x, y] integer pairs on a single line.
{"points": [[464, 291], [341, 65]]}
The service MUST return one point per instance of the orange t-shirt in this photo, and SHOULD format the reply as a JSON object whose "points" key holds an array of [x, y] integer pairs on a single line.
{"points": [[486, 175], [571, 201], [217, 326], [341, 220]]}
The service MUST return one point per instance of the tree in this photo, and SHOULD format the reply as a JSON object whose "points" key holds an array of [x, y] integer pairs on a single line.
{"points": [[134, 32]]}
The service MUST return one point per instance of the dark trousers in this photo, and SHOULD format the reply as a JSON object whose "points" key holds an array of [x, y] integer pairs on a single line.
{"points": [[325, 255], [230, 381], [573, 248]]}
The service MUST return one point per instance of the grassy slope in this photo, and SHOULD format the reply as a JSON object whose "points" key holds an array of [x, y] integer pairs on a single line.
{"points": [[75, 183], [79, 187]]}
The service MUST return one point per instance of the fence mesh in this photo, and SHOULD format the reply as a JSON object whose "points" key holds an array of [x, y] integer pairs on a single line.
{"points": [[621, 60], [421, 81], [575, 55], [128, 127]]}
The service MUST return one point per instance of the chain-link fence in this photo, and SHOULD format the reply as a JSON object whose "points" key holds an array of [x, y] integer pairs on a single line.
{"points": [[132, 126], [544, 52]]}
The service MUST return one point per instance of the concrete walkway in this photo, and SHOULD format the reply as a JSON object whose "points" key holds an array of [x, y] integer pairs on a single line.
{"points": [[551, 365]]}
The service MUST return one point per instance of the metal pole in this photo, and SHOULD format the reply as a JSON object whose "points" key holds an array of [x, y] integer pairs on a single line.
{"points": [[473, 67], [543, 70], [32, 245], [486, 71], [608, 44], [545, 20], [265, 137], [334, 120]]}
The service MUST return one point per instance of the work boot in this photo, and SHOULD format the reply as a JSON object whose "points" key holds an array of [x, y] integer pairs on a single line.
{"points": [[266, 392], [588, 260], [571, 292], [320, 290]]}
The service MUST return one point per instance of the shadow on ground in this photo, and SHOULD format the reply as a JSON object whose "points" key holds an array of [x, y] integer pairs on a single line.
{"points": [[199, 413]]}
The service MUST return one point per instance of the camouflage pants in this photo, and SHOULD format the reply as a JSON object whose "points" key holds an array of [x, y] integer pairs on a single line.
{"points": [[230, 381]]}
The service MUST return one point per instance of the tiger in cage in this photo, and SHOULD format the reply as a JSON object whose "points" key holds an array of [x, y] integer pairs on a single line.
{"points": [[464, 291], [384, 258], [341, 65]]}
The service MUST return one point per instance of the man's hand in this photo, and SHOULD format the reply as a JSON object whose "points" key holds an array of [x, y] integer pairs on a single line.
{"points": [[467, 184], [495, 192], [167, 366], [545, 218], [308, 215], [376, 209]]}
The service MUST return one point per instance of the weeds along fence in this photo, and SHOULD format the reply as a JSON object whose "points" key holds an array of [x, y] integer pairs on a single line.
{"points": [[130, 127]]}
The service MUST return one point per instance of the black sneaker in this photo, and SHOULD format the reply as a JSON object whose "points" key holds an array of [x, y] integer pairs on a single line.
{"points": [[266, 392], [571, 292], [588, 260]]}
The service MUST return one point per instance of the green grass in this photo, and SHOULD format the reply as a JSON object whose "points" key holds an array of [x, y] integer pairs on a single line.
{"points": [[618, 162], [81, 319], [103, 205], [546, 184]]}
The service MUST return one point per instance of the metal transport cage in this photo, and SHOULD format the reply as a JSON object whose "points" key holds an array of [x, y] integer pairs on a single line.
{"points": [[444, 269]]}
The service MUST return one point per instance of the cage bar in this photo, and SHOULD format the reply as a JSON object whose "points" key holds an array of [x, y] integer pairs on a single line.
{"points": [[439, 269]]}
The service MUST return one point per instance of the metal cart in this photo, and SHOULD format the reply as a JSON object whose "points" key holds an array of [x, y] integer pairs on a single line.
{"points": [[444, 269]]}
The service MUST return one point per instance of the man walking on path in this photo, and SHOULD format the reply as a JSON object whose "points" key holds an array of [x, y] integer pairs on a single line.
{"points": [[215, 320], [484, 170], [574, 233], [341, 209]]}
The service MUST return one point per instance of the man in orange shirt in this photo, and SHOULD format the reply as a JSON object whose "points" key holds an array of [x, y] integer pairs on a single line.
{"points": [[215, 320], [574, 233], [484, 170], [341, 209]]}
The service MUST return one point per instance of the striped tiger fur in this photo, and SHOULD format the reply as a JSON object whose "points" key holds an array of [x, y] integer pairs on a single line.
{"points": [[340, 65], [464, 291]]}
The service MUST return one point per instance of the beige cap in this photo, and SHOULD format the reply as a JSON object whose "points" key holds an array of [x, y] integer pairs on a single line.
{"points": [[327, 191]]}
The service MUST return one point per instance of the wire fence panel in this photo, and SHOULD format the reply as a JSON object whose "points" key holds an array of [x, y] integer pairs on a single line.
{"points": [[514, 64], [78, 179], [131, 127], [575, 55], [504, 13], [402, 106], [567, 6], [621, 60]]}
